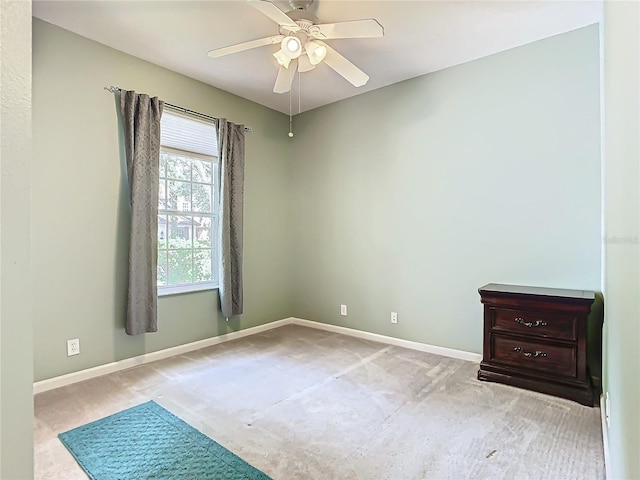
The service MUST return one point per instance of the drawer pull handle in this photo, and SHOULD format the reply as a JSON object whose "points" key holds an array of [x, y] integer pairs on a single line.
{"points": [[538, 323], [535, 354]]}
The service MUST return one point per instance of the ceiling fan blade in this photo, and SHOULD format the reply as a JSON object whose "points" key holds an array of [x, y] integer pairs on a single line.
{"points": [[275, 14], [285, 77], [344, 67], [240, 47], [369, 28]]}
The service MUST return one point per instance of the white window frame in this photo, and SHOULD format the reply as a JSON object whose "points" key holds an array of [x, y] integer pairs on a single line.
{"points": [[164, 290]]}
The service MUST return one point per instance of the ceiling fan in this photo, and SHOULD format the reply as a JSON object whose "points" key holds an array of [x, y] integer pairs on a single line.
{"points": [[301, 42]]}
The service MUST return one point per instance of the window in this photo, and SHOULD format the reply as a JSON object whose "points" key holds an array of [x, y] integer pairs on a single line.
{"points": [[187, 258]]}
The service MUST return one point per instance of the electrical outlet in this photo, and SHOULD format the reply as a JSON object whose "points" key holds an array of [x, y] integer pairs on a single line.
{"points": [[607, 409], [343, 310], [73, 347], [394, 317]]}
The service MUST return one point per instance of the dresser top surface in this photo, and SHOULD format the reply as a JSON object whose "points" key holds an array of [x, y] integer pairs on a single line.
{"points": [[539, 291]]}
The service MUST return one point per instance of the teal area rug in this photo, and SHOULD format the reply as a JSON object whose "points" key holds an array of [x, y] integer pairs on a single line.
{"points": [[148, 442]]}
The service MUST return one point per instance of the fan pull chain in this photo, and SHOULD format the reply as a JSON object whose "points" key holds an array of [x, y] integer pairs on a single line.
{"points": [[290, 117], [299, 90]]}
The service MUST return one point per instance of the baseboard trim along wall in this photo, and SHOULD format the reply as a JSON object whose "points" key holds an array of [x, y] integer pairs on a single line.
{"points": [[398, 342], [74, 377], [605, 437], [69, 378]]}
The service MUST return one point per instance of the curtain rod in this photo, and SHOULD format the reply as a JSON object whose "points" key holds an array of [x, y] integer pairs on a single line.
{"points": [[113, 89]]}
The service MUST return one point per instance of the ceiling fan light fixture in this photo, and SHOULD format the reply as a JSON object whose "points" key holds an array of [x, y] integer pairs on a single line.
{"points": [[304, 65], [282, 59], [315, 52], [291, 47]]}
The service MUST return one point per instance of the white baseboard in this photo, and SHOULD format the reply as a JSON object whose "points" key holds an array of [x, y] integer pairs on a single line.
{"points": [[605, 437], [70, 378], [398, 342]]}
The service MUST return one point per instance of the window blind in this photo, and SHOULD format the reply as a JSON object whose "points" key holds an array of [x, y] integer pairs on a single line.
{"points": [[189, 134]]}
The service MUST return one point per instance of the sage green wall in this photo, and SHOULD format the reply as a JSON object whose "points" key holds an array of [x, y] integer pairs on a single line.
{"points": [[16, 314], [410, 197], [80, 225], [622, 230]]}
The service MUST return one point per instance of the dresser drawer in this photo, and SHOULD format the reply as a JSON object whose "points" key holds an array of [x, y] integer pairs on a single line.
{"points": [[534, 324], [531, 355]]}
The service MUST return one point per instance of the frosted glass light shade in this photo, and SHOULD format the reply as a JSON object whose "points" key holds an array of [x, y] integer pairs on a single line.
{"points": [[282, 58], [304, 65], [315, 52], [291, 47]]}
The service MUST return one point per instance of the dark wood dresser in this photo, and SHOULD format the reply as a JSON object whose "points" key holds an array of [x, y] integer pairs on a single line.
{"points": [[536, 338]]}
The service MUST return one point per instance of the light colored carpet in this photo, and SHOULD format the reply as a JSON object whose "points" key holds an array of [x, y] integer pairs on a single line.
{"points": [[300, 403]]}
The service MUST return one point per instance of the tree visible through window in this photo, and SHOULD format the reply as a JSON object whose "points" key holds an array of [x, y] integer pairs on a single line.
{"points": [[186, 216]]}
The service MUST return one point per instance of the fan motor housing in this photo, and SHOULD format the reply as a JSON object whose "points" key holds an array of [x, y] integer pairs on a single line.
{"points": [[302, 17], [300, 4]]}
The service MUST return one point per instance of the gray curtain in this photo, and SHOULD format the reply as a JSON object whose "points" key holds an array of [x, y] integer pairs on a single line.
{"points": [[231, 184], [141, 124]]}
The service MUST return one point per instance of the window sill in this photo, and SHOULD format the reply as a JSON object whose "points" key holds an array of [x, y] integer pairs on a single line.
{"points": [[167, 291]]}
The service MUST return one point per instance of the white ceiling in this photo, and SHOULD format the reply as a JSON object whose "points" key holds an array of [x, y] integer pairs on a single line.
{"points": [[420, 37]]}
